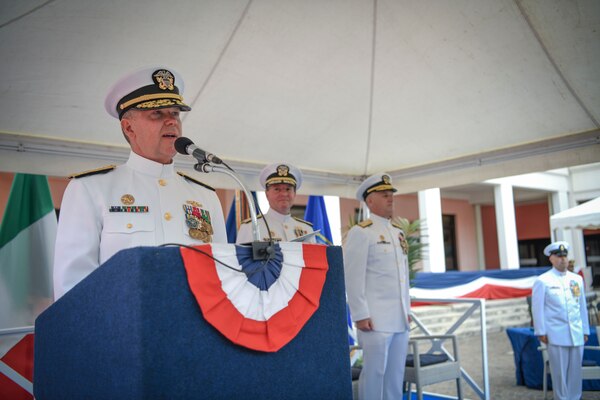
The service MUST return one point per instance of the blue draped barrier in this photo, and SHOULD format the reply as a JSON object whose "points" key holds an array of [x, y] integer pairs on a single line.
{"points": [[529, 365]]}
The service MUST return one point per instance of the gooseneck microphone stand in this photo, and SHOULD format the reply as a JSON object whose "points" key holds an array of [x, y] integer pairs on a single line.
{"points": [[260, 250]]}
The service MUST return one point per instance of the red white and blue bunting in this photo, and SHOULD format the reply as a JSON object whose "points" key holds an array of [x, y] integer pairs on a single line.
{"points": [[490, 284], [256, 304]]}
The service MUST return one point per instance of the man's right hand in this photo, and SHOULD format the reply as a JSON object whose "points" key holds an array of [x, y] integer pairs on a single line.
{"points": [[543, 339], [364, 324]]}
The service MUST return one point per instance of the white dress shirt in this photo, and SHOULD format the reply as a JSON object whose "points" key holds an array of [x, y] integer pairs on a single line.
{"points": [[376, 274], [140, 203], [284, 228], [559, 308]]}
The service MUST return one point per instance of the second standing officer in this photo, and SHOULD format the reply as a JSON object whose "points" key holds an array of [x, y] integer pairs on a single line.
{"points": [[280, 182], [377, 283]]}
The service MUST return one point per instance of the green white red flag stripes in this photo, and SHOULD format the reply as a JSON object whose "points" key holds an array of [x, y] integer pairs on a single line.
{"points": [[27, 237]]}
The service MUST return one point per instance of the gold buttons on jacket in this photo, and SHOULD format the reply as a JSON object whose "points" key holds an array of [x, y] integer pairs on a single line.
{"points": [[162, 182], [168, 216], [129, 226]]}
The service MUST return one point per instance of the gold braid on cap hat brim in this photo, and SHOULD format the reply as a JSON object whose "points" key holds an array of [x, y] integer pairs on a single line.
{"points": [[281, 179], [380, 188], [150, 97]]}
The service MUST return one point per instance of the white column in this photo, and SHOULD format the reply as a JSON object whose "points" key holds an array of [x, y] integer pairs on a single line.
{"points": [[430, 212], [560, 202], [507, 228], [479, 233]]}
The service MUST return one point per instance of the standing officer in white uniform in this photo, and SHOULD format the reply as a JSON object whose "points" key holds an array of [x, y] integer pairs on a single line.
{"points": [[144, 202], [560, 320], [280, 182], [377, 284]]}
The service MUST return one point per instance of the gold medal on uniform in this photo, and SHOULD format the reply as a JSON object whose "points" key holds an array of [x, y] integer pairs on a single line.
{"points": [[382, 240], [298, 231], [273, 238], [198, 222], [127, 199], [575, 289], [403, 242]]}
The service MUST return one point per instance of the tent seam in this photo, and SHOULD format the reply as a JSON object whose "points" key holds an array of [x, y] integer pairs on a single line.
{"points": [[371, 88], [555, 65], [221, 55]]}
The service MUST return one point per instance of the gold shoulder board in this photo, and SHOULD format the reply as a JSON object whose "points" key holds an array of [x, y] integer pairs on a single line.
{"points": [[396, 225], [365, 223], [101, 170], [301, 220], [197, 182]]}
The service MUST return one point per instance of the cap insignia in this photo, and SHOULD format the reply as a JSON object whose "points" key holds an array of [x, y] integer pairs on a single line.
{"points": [[164, 79], [127, 199], [385, 179], [283, 170]]}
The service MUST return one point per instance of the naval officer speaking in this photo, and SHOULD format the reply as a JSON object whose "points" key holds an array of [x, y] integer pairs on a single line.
{"points": [[143, 202]]}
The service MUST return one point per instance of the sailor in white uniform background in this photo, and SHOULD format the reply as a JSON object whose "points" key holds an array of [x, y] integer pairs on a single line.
{"points": [[280, 181], [560, 320], [377, 285], [144, 202]]}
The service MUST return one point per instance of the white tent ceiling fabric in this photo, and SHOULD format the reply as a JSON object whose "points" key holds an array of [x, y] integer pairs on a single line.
{"points": [[583, 216], [437, 93]]}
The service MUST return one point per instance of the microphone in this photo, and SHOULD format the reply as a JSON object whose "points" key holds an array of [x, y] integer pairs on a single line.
{"points": [[185, 146]]}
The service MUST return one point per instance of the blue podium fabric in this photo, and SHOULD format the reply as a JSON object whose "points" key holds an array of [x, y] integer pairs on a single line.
{"points": [[529, 365], [133, 330]]}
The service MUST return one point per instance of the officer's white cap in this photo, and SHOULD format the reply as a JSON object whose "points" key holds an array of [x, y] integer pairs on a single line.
{"points": [[146, 89], [559, 248], [280, 173], [374, 183]]}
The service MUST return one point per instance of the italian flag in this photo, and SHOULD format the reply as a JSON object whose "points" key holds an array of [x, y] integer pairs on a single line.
{"points": [[27, 237]]}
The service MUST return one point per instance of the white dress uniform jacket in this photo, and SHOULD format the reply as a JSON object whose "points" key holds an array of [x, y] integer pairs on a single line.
{"points": [[376, 274], [284, 228], [559, 308], [140, 203]]}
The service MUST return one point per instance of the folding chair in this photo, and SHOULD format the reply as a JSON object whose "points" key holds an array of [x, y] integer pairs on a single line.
{"points": [[433, 366]]}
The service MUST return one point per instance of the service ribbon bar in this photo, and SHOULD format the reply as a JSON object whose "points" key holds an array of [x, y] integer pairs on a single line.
{"points": [[129, 209]]}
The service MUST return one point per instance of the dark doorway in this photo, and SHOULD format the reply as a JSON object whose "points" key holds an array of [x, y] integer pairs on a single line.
{"points": [[450, 251], [531, 253]]}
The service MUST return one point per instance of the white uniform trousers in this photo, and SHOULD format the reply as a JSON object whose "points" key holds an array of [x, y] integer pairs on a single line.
{"points": [[565, 365], [384, 359]]}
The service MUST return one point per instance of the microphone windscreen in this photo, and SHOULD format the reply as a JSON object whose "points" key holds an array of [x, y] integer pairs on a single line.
{"points": [[181, 144]]}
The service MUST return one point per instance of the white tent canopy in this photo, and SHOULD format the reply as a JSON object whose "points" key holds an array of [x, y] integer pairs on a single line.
{"points": [[583, 216], [438, 93]]}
